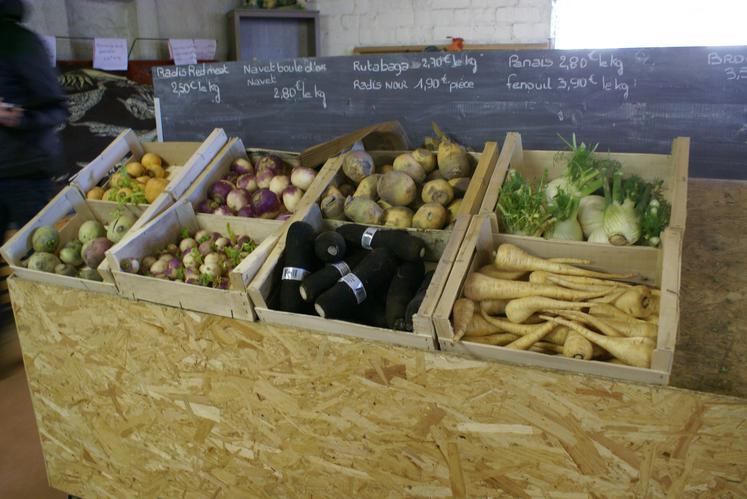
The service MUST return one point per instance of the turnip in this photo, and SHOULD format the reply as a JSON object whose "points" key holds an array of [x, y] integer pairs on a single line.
{"points": [[291, 197], [364, 210], [453, 160], [159, 267], [247, 212], [357, 165], [65, 269], [248, 182], [90, 230], [207, 206], [405, 163], [90, 274], [148, 261], [214, 258], [398, 216], [130, 265], [119, 227], [221, 243], [241, 166], [270, 163], [345, 189], [201, 235], [430, 216], [187, 244], [166, 257], [222, 283], [224, 211], [333, 204], [283, 216], [43, 261], [71, 256], [219, 190], [437, 191], [265, 203], [264, 178], [172, 249], [93, 251], [397, 188], [205, 247], [426, 159], [212, 270], [367, 187], [174, 268], [45, 239], [237, 199], [191, 260], [302, 177], [191, 276], [278, 184]]}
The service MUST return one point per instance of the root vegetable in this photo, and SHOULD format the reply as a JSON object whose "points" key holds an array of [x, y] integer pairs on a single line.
{"points": [[241, 166], [636, 301], [154, 188], [90, 230], [453, 160], [385, 169], [426, 159], [437, 191], [223, 211], [493, 307], [479, 287], [65, 269], [333, 204], [90, 274], [460, 185], [270, 163], [510, 257], [407, 164], [71, 256], [119, 227], [278, 184], [453, 210], [521, 309], [607, 310], [530, 339], [93, 251], [95, 193], [398, 216], [248, 182], [463, 311], [430, 216], [330, 246], [400, 293], [292, 195], [634, 327], [246, 212], [302, 177], [43, 261], [151, 159], [156, 171], [577, 347], [363, 211], [478, 326], [490, 271], [397, 188], [135, 169], [499, 339], [634, 351], [265, 203], [602, 325], [264, 179], [506, 326], [207, 206], [345, 189], [45, 239], [357, 165], [367, 187]]}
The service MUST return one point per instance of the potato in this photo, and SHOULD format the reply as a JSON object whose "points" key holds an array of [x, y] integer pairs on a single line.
{"points": [[454, 209], [406, 163], [367, 187], [426, 159], [386, 169], [95, 193], [398, 216], [135, 169], [363, 211], [150, 159], [397, 188], [459, 185], [437, 191], [430, 216], [357, 165]]}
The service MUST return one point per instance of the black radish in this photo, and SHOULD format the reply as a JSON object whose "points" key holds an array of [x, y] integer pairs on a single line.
{"points": [[320, 281], [402, 289], [369, 277], [298, 262], [404, 246], [329, 246], [414, 305]]}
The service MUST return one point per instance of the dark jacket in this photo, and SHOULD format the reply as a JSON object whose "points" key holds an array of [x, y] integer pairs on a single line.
{"points": [[28, 80]]}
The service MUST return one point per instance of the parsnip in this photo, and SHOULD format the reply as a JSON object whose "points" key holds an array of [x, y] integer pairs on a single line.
{"points": [[510, 257], [520, 309], [636, 301], [499, 339], [478, 287], [491, 271], [528, 340], [463, 312], [493, 307]]}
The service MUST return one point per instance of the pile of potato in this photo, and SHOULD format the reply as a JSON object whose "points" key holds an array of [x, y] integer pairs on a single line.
{"points": [[420, 189], [137, 182]]}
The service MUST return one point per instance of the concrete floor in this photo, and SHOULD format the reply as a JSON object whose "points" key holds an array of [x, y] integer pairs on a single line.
{"points": [[22, 473]]}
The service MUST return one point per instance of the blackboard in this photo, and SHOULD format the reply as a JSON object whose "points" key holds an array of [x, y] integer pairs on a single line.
{"points": [[627, 100]]}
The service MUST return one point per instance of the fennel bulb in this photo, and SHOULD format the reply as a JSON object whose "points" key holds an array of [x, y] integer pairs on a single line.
{"points": [[591, 213]]}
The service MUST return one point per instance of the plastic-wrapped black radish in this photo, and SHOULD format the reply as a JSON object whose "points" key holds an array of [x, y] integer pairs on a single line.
{"points": [[372, 274], [299, 261], [320, 281], [405, 246], [330, 246], [414, 305], [401, 291]]}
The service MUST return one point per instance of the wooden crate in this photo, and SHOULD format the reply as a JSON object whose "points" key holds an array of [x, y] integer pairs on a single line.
{"points": [[67, 210], [163, 230], [671, 168], [441, 249], [653, 266]]}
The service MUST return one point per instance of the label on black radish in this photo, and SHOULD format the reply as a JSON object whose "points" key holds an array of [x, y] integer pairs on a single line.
{"points": [[293, 274], [356, 286], [367, 237], [341, 267]]}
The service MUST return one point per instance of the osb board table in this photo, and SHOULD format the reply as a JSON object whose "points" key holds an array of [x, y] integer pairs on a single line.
{"points": [[140, 400]]}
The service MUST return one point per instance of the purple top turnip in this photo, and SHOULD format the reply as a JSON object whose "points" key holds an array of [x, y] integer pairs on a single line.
{"points": [[219, 190], [291, 197], [247, 182], [237, 199], [270, 163], [302, 177], [265, 203], [247, 211], [224, 211], [264, 178], [241, 166]]}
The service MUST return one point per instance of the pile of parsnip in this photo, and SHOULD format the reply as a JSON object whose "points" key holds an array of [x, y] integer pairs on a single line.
{"points": [[523, 302]]}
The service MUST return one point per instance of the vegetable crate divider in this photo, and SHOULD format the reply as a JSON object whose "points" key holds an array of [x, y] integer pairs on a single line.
{"points": [[671, 168], [653, 266], [163, 230], [483, 164], [441, 248], [69, 209]]}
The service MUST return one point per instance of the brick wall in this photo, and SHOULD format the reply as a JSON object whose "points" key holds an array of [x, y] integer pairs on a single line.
{"points": [[345, 24]]}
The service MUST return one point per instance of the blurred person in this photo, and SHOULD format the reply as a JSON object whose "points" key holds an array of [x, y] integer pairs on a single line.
{"points": [[32, 105]]}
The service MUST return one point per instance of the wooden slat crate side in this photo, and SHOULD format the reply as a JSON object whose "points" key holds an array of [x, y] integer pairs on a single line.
{"points": [[511, 154], [164, 230], [125, 144], [477, 249], [681, 161]]}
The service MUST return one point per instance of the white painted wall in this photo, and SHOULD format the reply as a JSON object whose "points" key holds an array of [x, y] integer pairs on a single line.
{"points": [[344, 24], [349, 23]]}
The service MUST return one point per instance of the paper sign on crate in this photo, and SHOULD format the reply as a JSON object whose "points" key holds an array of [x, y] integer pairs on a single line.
{"points": [[182, 51]]}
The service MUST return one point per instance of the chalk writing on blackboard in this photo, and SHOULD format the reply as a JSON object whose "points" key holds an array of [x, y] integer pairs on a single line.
{"points": [[734, 65], [182, 88], [299, 92]]}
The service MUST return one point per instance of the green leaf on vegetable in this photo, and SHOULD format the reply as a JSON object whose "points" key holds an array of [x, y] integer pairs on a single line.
{"points": [[205, 280], [180, 274], [231, 234], [196, 256], [184, 233]]}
